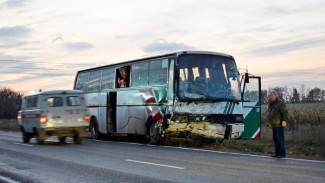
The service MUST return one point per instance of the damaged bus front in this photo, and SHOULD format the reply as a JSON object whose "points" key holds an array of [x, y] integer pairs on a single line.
{"points": [[207, 100]]}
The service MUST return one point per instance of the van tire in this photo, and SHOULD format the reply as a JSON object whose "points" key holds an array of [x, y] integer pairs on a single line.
{"points": [[93, 129], [62, 140], [77, 139], [37, 137], [26, 137]]}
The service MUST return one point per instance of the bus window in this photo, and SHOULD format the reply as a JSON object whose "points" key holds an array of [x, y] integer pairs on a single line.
{"points": [[123, 77], [94, 80], [158, 72], [139, 75], [107, 79], [82, 81]]}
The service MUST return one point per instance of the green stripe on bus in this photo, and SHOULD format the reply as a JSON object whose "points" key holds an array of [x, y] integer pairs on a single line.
{"points": [[252, 122], [227, 104]]}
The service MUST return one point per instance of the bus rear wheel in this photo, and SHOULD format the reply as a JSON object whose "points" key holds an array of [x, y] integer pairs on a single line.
{"points": [[93, 129]]}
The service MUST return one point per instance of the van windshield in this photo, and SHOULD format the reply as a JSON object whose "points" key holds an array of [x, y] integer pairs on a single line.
{"points": [[207, 77]]}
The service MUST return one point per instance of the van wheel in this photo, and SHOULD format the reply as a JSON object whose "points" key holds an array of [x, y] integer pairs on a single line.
{"points": [[37, 137], [62, 140], [77, 139], [93, 129], [26, 137]]}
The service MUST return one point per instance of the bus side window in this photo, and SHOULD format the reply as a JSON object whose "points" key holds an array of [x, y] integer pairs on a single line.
{"points": [[158, 72], [139, 76], [123, 77], [107, 79], [82, 81], [94, 80]]}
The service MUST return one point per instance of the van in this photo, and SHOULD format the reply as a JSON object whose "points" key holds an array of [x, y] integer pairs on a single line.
{"points": [[61, 113]]}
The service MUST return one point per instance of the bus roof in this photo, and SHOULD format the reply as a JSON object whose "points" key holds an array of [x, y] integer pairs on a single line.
{"points": [[161, 56]]}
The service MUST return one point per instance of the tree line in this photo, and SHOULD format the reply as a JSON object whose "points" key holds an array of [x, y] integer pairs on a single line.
{"points": [[296, 95], [10, 102]]}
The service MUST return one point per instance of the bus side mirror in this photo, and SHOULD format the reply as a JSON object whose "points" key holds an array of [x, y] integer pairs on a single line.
{"points": [[246, 78]]}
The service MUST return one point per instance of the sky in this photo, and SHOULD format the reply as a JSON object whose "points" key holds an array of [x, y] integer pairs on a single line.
{"points": [[43, 43]]}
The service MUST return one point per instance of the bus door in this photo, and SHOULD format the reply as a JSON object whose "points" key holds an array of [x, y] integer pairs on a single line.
{"points": [[251, 99], [111, 112]]}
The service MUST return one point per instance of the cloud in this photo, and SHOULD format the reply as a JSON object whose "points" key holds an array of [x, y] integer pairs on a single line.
{"points": [[164, 46], [294, 78], [288, 47], [9, 57], [59, 38], [14, 32], [12, 45], [15, 3], [77, 46]]}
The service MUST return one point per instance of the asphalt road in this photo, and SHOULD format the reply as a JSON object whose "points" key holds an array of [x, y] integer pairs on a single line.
{"points": [[108, 161]]}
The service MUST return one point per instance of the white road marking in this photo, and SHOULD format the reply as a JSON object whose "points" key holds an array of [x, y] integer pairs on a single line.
{"points": [[213, 151], [5, 179], [155, 164], [24, 144]]}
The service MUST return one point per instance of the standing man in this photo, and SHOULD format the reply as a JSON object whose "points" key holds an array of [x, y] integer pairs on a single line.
{"points": [[277, 117]]}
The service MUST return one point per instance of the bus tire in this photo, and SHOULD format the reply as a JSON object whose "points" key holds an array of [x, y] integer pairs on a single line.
{"points": [[154, 133], [93, 129]]}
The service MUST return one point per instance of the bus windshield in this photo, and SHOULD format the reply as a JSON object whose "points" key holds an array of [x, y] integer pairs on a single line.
{"points": [[207, 78]]}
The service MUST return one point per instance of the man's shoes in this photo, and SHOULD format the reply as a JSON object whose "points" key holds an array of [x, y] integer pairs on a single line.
{"points": [[274, 156]]}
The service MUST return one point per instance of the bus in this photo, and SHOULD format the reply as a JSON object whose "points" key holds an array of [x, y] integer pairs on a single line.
{"points": [[183, 94]]}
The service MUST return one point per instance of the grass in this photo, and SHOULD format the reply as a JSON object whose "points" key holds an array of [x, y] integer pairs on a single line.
{"points": [[9, 124]]}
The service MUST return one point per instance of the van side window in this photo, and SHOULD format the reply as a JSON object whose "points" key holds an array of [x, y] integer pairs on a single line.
{"points": [[73, 101], [55, 101], [31, 102]]}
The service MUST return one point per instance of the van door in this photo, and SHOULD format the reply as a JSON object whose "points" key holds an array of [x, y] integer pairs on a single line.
{"points": [[74, 112], [252, 107], [56, 111]]}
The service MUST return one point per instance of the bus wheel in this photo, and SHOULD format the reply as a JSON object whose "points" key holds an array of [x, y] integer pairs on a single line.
{"points": [[153, 134], [77, 139], [62, 140], [93, 129]]}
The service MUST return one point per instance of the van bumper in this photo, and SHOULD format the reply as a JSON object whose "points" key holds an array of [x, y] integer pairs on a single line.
{"points": [[63, 131]]}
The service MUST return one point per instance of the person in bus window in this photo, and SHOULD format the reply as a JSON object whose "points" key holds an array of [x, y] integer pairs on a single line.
{"points": [[123, 81]]}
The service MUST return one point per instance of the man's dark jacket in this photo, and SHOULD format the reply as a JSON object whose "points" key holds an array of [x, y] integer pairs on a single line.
{"points": [[277, 112]]}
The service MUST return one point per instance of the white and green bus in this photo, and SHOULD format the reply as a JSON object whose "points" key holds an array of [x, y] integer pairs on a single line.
{"points": [[182, 94]]}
